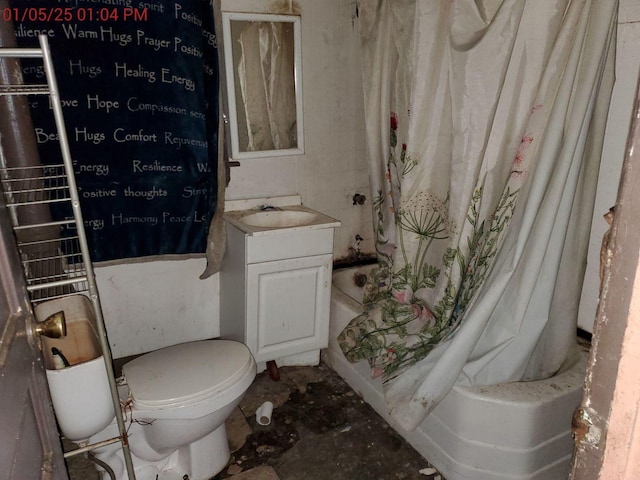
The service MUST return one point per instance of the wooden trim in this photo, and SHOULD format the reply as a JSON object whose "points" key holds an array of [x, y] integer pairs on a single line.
{"points": [[607, 426]]}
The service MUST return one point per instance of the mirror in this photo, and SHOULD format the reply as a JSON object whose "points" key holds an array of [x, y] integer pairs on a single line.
{"points": [[263, 73]]}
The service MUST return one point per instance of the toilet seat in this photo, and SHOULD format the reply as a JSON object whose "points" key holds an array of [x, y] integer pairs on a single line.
{"points": [[188, 374]]}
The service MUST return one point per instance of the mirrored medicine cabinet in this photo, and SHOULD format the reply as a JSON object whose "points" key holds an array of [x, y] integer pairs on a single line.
{"points": [[263, 62]]}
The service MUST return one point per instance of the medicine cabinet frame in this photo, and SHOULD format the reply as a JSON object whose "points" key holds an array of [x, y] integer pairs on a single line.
{"points": [[233, 96]]}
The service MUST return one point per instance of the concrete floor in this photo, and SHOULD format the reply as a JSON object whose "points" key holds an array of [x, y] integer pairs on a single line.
{"points": [[320, 429]]}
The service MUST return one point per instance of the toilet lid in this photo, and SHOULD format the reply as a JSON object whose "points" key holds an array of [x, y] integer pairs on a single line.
{"points": [[186, 373]]}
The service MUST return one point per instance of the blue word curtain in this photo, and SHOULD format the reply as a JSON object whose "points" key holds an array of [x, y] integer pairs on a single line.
{"points": [[139, 89]]}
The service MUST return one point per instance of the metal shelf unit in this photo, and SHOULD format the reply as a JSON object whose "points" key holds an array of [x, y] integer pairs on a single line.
{"points": [[55, 254]]}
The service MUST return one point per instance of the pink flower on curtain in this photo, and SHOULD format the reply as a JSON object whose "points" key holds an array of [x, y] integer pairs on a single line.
{"points": [[519, 157], [519, 171], [404, 295], [524, 145], [393, 137], [394, 121], [391, 355], [400, 296], [423, 313]]}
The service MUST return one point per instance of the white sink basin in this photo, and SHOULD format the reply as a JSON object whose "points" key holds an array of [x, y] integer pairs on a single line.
{"points": [[279, 218], [282, 214]]}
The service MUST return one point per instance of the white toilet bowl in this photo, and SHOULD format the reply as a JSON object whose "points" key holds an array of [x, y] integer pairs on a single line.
{"points": [[175, 400], [175, 406]]}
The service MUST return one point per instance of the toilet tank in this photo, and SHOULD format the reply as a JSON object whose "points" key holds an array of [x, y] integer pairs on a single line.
{"points": [[80, 392]]}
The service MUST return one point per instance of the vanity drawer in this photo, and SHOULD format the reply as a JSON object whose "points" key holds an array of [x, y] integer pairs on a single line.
{"points": [[285, 244]]}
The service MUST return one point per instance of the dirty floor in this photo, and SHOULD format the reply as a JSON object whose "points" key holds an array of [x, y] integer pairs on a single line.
{"points": [[320, 429]]}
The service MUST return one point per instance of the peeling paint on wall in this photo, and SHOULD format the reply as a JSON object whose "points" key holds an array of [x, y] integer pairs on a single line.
{"points": [[285, 7], [584, 430]]}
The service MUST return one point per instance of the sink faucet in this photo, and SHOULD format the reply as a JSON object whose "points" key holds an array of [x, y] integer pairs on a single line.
{"points": [[264, 208]]}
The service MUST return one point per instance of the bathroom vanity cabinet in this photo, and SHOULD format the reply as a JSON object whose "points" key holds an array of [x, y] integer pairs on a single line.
{"points": [[275, 287]]}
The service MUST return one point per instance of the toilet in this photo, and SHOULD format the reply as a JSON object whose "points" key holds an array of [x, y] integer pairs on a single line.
{"points": [[174, 401]]}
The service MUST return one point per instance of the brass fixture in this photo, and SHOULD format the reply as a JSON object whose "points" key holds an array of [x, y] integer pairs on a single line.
{"points": [[54, 326]]}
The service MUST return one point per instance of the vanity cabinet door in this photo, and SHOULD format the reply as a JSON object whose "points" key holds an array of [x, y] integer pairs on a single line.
{"points": [[288, 306]]}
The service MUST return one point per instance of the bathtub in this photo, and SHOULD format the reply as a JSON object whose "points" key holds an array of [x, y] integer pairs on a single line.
{"points": [[512, 431]]}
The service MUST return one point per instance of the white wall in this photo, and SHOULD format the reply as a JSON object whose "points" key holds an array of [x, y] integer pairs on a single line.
{"points": [[627, 66], [154, 304]]}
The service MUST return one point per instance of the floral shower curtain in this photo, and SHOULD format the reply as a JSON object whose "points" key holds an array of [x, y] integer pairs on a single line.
{"points": [[485, 121]]}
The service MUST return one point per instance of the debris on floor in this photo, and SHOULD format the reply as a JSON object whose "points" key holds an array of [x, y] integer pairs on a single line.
{"points": [[319, 429], [428, 471]]}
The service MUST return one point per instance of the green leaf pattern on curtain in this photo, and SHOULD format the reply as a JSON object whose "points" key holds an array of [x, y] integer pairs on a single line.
{"points": [[398, 328]]}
